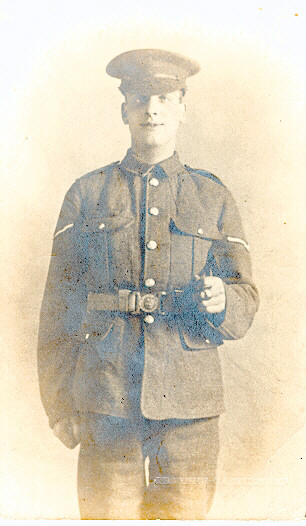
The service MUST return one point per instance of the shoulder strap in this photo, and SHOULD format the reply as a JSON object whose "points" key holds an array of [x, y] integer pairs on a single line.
{"points": [[204, 173]]}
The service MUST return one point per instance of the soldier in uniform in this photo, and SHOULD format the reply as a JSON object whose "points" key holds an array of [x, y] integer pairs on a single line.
{"points": [[150, 273]]}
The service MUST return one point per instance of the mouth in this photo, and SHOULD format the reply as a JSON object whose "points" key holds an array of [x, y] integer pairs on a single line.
{"points": [[150, 125]]}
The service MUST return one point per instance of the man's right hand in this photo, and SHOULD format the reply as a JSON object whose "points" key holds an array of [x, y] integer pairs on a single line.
{"points": [[68, 431]]}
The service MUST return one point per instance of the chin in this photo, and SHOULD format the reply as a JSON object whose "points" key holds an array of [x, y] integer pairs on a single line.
{"points": [[149, 141], [155, 140]]}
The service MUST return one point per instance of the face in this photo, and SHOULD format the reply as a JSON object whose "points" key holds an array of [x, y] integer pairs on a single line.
{"points": [[153, 119]]}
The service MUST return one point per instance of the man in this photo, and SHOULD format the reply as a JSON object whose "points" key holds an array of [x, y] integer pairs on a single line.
{"points": [[150, 272]]}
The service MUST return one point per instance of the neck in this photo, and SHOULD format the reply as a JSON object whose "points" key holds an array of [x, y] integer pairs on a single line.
{"points": [[153, 155]]}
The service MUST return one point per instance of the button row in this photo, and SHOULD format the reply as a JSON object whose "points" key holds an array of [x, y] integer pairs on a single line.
{"points": [[151, 245]]}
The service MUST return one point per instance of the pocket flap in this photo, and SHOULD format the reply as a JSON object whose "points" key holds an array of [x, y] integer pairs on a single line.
{"points": [[101, 224], [197, 336], [192, 342], [191, 225]]}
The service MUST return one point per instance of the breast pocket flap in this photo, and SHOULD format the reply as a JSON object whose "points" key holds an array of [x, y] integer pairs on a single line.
{"points": [[190, 225], [100, 224]]}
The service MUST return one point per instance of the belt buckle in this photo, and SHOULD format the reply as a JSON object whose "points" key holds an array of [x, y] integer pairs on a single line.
{"points": [[149, 302], [152, 302], [134, 302]]}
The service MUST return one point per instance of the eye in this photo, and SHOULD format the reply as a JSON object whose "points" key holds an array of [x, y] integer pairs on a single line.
{"points": [[163, 98]]}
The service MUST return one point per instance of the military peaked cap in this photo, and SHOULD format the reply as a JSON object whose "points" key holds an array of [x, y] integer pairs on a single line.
{"points": [[151, 71]]}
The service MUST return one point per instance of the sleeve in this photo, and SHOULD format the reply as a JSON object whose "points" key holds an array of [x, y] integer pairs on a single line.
{"points": [[61, 314], [231, 260]]}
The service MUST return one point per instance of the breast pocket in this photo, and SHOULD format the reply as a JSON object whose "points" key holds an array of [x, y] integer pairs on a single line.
{"points": [[107, 242], [191, 246]]}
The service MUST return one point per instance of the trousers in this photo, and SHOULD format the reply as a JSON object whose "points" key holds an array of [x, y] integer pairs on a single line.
{"points": [[147, 469]]}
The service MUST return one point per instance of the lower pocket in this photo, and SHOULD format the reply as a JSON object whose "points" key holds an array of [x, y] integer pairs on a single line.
{"points": [[99, 368], [197, 334]]}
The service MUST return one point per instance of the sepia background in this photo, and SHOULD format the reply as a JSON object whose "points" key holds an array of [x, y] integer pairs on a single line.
{"points": [[246, 124]]}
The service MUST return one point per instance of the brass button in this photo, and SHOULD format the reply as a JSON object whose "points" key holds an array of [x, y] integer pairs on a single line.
{"points": [[154, 211], [149, 319], [200, 231], [87, 336], [102, 226], [151, 245], [149, 282], [154, 182]]}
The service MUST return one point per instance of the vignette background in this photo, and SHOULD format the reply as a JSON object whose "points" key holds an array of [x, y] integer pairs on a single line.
{"points": [[245, 123]]}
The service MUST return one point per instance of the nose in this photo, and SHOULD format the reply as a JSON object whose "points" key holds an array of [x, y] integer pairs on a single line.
{"points": [[152, 105]]}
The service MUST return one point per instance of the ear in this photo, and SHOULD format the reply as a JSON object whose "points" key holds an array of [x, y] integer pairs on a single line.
{"points": [[183, 112], [124, 113]]}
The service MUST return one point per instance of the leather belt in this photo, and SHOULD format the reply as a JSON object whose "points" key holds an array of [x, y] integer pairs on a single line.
{"points": [[133, 302]]}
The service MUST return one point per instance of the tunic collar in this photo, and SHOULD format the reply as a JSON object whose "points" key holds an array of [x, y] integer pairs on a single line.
{"points": [[171, 166]]}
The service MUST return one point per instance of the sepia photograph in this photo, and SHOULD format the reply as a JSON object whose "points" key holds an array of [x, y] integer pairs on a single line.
{"points": [[153, 249]]}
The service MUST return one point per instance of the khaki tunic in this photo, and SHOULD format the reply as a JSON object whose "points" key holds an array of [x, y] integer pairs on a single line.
{"points": [[114, 362]]}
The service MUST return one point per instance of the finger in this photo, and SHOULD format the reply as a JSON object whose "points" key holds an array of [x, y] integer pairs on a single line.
{"points": [[214, 300], [212, 282], [214, 306], [215, 290], [207, 293], [209, 280], [209, 302], [215, 309]]}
